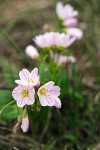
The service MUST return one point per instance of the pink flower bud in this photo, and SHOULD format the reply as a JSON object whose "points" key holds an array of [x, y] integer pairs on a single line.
{"points": [[31, 51], [25, 124], [70, 22]]}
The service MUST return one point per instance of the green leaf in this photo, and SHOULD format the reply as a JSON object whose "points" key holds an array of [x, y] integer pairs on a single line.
{"points": [[8, 110], [11, 112], [5, 97]]}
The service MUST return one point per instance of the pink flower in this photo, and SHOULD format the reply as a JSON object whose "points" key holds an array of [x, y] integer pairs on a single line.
{"points": [[31, 51], [75, 32], [65, 12], [23, 95], [53, 39], [27, 78], [46, 40], [70, 22], [25, 124], [65, 40], [48, 95]]}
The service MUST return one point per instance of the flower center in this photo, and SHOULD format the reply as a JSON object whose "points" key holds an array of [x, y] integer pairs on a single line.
{"points": [[43, 91], [30, 81], [25, 93]]}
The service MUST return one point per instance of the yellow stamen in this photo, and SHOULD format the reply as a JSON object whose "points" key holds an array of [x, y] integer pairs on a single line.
{"points": [[30, 81], [43, 91], [24, 93]]}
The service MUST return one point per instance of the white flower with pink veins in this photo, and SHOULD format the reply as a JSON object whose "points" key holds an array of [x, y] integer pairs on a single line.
{"points": [[65, 11], [28, 78], [24, 95], [54, 39], [48, 95]]}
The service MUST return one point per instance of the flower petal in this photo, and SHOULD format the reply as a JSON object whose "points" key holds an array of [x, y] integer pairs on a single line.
{"points": [[30, 100], [24, 74], [54, 91], [34, 73], [48, 84], [50, 100], [21, 102], [43, 101]]}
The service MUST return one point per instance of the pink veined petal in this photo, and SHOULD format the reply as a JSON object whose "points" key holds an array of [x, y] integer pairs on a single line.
{"points": [[30, 100], [43, 101], [54, 91], [21, 82], [25, 124], [16, 96], [37, 82], [16, 92], [24, 74], [48, 84], [34, 73], [21, 102], [50, 100], [57, 102]]}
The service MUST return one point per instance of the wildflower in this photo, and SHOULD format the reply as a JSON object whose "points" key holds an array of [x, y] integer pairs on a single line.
{"points": [[48, 95], [56, 39], [46, 40], [31, 51], [64, 40], [27, 78], [23, 95], [75, 32], [65, 12], [25, 124]]}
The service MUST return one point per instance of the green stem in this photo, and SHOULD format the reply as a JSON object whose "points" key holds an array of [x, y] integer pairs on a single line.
{"points": [[7, 105]]}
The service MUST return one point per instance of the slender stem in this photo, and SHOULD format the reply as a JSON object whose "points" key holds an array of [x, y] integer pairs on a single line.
{"points": [[7, 105]]}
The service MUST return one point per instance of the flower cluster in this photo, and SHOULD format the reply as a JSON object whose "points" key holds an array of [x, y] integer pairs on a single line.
{"points": [[24, 93], [54, 39], [28, 83], [68, 15]]}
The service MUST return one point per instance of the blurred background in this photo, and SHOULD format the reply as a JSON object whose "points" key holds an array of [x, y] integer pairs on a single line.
{"points": [[20, 21]]}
